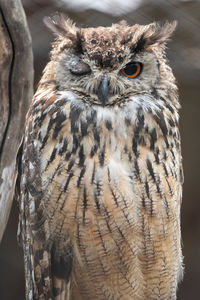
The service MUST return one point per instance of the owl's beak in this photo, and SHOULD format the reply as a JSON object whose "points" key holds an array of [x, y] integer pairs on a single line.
{"points": [[103, 90]]}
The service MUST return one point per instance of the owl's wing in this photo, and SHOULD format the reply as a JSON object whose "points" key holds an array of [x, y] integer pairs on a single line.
{"points": [[47, 267], [35, 256], [158, 184]]}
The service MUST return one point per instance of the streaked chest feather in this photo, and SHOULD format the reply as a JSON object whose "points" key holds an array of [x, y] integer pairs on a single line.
{"points": [[89, 155]]}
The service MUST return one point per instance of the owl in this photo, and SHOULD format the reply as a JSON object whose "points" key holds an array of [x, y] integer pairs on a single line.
{"points": [[101, 168]]}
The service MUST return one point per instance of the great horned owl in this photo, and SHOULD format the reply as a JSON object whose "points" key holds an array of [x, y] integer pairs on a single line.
{"points": [[101, 179]]}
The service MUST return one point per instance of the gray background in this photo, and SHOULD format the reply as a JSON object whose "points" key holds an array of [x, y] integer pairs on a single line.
{"points": [[184, 57]]}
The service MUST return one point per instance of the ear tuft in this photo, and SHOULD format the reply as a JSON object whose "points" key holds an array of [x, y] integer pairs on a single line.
{"points": [[157, 34], [61, 26]]}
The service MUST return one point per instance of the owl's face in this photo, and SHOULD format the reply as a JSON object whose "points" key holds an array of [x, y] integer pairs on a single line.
{"points": [[106, 66]]}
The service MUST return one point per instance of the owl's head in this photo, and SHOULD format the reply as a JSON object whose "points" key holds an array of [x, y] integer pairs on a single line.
{"points": [[109, 65]]}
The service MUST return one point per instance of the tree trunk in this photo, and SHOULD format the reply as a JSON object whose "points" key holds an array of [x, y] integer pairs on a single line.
{"points": [[16, 90]]}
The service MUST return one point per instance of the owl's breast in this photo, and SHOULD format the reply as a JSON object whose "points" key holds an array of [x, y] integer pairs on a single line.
{"points": [[86, 170], [94, 157], [89, 187]]}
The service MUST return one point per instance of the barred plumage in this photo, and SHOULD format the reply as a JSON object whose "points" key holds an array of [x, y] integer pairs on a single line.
{"points": [[101, 169]]}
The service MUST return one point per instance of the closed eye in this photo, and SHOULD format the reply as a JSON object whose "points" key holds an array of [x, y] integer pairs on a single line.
{"points": [[80, 68]]}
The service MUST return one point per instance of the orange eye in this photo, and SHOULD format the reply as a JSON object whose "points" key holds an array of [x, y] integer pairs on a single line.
{"points": [[132, 69]]}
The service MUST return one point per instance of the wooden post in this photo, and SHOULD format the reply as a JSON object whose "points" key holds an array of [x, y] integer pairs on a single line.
{"points": [[16, 90]]}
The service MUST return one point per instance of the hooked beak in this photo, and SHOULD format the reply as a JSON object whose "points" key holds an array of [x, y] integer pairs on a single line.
{"points": [[103, 90]]}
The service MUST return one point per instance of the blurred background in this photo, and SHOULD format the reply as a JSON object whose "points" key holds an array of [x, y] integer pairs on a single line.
{"points": [[184, 57]]}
